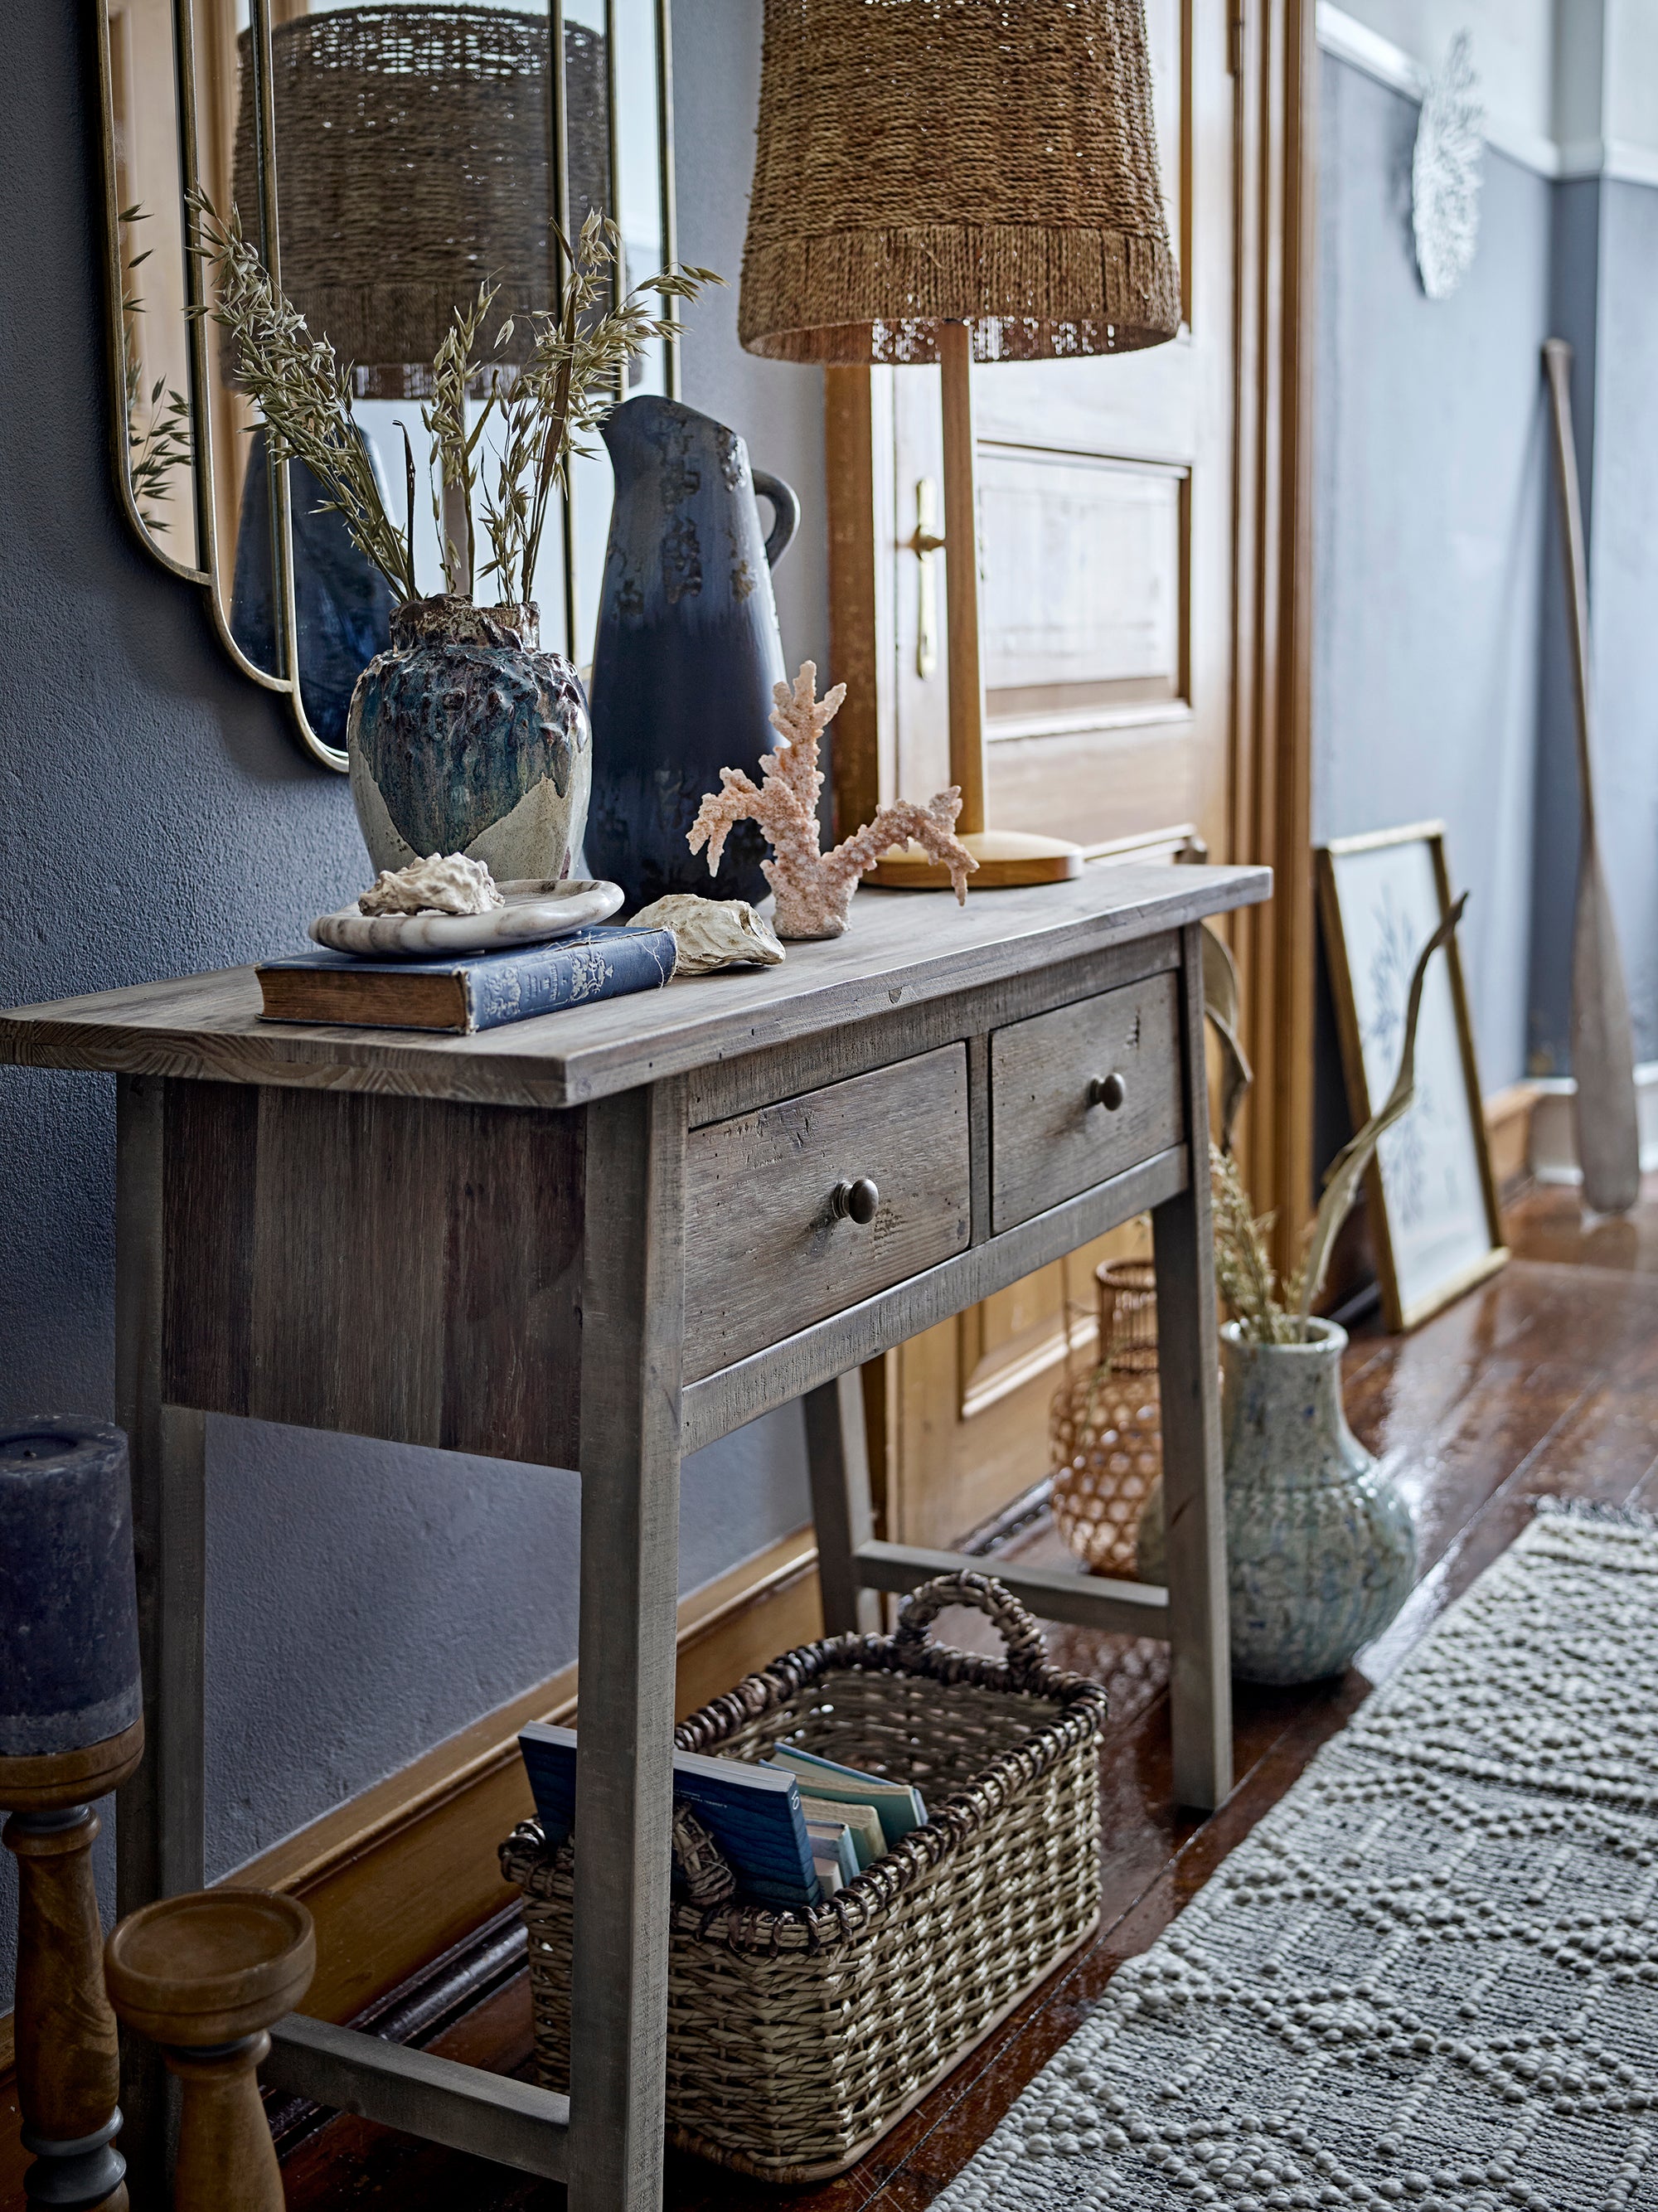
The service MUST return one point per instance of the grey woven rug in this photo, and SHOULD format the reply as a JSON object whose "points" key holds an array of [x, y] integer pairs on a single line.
{"points": [[1430, 1976]]}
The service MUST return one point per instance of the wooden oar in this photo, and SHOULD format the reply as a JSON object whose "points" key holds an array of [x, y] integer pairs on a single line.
{"points": [[1602, 1045]]}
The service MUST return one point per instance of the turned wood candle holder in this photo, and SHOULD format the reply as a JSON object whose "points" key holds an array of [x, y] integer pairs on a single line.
{"points": [[67, 2065], [71, 1730], [204, 1975]]}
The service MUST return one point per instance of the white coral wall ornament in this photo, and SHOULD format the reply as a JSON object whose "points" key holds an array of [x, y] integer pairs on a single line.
{"points": [[1445, 173]]}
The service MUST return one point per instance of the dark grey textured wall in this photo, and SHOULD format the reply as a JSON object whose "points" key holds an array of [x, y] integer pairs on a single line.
{"points": [[157, 817], [1431, 484]]}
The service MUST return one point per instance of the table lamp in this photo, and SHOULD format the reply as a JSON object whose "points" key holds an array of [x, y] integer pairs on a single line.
{"points": [[947, 180]]}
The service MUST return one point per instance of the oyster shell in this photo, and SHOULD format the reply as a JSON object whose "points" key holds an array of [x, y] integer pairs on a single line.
{"points": [[443, 882], [712, 932]]}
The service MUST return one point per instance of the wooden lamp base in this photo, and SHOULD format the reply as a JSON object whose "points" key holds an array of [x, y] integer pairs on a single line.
{"points": [[1006, 857]]}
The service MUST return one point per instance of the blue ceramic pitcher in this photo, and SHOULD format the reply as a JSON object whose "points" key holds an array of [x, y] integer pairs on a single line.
{"points": [[687, 651]]}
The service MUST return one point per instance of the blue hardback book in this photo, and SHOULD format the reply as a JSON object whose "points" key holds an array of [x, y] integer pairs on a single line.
{"points": [[753, 1813], [479, 991]]}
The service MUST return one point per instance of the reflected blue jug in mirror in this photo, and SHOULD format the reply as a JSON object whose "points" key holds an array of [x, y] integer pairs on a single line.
{"points": [[687, 650], [341, 603]]}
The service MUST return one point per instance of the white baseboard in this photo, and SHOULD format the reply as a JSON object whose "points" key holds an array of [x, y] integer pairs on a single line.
{"points": [[1554, 1126]]}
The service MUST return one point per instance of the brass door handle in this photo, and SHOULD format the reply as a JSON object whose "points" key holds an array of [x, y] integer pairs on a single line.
{"points": [[856, 1201], [924, 543], [1107, 1091]]}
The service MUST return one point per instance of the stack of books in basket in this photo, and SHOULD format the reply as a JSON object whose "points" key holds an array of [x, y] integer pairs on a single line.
{"points": [[795, 1828]]}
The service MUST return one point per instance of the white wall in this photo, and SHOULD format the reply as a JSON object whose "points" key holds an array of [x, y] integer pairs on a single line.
{"points": [[1570, 86], [1513, 43], [1629, 110]]}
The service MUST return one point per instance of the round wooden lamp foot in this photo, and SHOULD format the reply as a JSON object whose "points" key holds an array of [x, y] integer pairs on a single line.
{"points": [[204, 1975], [1006, 857]]}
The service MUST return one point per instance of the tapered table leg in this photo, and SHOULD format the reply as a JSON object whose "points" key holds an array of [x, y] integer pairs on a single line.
{"points": [[837, 1462], [160, 1825], [632, 1325], [1194, 1496]]}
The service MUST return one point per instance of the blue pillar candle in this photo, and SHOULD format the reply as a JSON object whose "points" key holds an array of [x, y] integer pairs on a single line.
{"points": [[68, 1615]]}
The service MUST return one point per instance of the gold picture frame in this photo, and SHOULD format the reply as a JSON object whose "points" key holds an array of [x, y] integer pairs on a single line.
{"points": [[1435, 1222]]}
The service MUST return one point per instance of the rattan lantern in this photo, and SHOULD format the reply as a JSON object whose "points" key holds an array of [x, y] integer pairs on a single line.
{"points": [[1106, 1427], [950, 181]]}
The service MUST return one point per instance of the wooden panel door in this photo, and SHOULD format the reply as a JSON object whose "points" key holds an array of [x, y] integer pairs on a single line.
{"points": [[1107, 545]]}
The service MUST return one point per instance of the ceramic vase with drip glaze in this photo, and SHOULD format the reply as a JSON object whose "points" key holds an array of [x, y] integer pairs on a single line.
{"points": [[687, 651], [1321, 1549], [464, 737]]}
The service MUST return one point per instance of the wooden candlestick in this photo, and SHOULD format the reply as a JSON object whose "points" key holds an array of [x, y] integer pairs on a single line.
{"points": [[68, 2067], [1006, 857], [204, 1975]]}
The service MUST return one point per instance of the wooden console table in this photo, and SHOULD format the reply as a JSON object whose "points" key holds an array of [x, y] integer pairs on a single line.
{"points": [[601, 1240]]}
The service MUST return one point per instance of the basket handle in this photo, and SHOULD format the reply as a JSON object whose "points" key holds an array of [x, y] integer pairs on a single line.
{"points": [[708, 1876], [1027, 1658]]}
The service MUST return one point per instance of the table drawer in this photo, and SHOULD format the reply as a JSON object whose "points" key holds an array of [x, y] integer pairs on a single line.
{"points": [[766, 1251], [1050, 1137]]}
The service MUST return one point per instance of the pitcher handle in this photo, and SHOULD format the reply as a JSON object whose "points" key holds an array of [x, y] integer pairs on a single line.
{"points": [[785, 503]]}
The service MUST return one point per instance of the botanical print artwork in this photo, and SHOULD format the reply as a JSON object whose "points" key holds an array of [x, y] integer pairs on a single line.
{"points": [[1429, 1161], [1392, 959]]}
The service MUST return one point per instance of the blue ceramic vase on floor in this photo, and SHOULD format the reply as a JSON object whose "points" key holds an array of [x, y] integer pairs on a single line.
{"points": [[466, 738], [1321, 1549], [687, 650]]}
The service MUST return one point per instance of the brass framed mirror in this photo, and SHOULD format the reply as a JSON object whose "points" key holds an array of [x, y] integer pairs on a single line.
{"points": [[387, 155]]}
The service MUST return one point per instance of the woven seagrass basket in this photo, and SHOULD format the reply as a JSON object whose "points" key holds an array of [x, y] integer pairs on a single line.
{"points": [[796, 2038]]}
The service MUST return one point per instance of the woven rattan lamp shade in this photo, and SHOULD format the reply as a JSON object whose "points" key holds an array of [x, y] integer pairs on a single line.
{"points": [[413, 148], [985, 161]]}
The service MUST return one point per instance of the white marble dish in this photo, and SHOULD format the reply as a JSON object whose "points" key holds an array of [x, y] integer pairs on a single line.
{"points": [[533, 913]]}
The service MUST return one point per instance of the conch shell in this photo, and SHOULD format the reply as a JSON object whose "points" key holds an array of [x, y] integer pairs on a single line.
{"points": [[712, 932], [441, 884]]}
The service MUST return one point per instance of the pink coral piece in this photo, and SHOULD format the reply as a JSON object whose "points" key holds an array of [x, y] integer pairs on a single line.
{"points": [[814, 888]]}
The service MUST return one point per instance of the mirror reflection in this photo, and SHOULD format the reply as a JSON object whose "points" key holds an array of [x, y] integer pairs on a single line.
{"points": [[386, 161], [155, 384]]}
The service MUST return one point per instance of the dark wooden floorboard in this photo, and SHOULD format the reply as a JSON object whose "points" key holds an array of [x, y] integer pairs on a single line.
{"points": [[1545, 1382]]}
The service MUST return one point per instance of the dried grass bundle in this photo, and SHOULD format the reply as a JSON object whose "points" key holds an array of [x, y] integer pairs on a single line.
{"points": [[1266, 1313]]}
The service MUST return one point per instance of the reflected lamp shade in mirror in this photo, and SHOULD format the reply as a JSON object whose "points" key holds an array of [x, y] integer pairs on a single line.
{"points": [[991, 163], [69, 1622], [413, 150], [413, 154]]}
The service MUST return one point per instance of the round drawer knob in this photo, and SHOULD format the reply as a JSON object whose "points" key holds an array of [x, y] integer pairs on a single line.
{"points": [[1107, 1091], [857, 1201]]}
